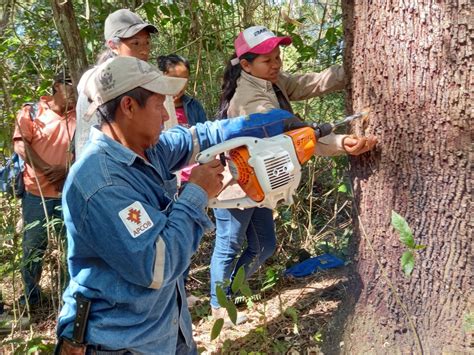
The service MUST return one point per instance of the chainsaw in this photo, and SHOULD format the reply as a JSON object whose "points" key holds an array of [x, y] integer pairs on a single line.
{"points": [[268, 170]]}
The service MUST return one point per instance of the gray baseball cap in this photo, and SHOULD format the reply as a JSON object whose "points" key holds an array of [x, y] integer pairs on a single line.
{"points": [[124, 24]]}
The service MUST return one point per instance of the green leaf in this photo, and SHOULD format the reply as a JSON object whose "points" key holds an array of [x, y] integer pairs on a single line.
{"points": [[238, 279], [175, 10], [401, 225], [32, 225], [164, 21], [164, 9], [420, 247], [331, 35], [227, 6], [221, 296], [292, 313], [267, 286], [245, 289], [408, 262], [216, 328], [150, 10], [297, 41], [288, 27], [270, 273], [342, 188], [232, 312], [318, 337], [260, 330]]}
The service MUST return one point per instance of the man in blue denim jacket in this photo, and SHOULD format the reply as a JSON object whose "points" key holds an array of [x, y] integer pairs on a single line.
{"points": [[131, 235]]}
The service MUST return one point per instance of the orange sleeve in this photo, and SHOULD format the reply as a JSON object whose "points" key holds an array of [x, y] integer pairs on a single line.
{"points": [[23, 125]]}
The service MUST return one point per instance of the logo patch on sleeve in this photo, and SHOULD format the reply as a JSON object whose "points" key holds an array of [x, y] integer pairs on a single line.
{"points": [[136, 219]]}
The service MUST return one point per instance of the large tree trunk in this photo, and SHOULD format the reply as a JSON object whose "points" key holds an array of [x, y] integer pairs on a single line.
{"points": [[409, 62], [71, 39]]}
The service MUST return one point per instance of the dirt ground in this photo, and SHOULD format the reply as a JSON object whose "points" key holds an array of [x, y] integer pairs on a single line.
{"points": [[290, 318]]}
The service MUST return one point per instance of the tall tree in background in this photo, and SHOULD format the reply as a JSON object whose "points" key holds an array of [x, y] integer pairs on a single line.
{"points": [[409, 62], [71, 39]]}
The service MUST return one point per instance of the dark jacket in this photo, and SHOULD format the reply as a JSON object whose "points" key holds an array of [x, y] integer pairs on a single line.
{"points": [[193, 110]]}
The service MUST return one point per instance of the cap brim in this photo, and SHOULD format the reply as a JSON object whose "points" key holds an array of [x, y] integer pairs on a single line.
{"points": [[270, 44], [165, 85], [133, 30]]}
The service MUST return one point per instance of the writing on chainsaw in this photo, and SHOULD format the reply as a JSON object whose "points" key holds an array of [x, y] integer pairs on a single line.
{"points": [[268, 170]]}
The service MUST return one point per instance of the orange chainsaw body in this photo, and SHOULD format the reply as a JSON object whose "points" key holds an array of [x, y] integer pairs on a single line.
{"points": [[244, 174], [304, 143]]}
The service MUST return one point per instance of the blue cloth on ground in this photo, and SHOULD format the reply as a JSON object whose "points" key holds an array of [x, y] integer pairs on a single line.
{"points": [[311, 265]]}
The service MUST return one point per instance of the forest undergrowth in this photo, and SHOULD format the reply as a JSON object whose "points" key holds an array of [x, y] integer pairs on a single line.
{"points": [[285, 313], [293, 313]]}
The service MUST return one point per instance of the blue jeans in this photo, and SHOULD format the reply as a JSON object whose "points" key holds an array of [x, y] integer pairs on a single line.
{"points": [[233, 228], [35, 238]]}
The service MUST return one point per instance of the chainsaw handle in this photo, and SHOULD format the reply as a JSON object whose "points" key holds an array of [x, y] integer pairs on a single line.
{"points": [[242, 203], [210, 153]]}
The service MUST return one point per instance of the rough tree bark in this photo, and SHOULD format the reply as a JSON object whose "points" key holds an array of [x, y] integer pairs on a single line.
{"points": [[409, 61], [6, 11], [71, 39]]}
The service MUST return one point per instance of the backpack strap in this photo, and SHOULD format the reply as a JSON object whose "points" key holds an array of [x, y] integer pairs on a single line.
{"points": [[34, 108]]}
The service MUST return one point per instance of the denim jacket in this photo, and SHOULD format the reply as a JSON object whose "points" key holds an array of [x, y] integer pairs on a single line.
{"points": [[130, 239], [193, 110]]}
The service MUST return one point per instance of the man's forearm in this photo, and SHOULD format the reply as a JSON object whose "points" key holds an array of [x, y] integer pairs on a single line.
{"points": [[258, 125]]}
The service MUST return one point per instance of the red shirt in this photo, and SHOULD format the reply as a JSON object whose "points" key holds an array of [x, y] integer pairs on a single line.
{"points": [[181, 116]]}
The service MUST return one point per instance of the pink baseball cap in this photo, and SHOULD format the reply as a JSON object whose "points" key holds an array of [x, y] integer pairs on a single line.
{"points": [[258, 40]]}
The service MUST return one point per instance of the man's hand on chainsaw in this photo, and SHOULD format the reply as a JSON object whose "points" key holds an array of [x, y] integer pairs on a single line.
{"points": [[354, 145], [209, 177]]}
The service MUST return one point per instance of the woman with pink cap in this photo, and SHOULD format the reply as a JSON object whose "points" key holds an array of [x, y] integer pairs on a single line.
{"points": [[253, 82]]}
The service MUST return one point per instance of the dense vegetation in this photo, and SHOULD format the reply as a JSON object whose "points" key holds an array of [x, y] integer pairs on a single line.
{"points": [[202, 31]]}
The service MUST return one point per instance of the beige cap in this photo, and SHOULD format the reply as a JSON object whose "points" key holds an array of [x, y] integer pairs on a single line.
{"points": [[119, 75]]}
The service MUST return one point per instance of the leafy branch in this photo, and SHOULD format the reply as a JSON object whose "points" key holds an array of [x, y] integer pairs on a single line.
{"points": [[238, 284], [407, 261]]}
